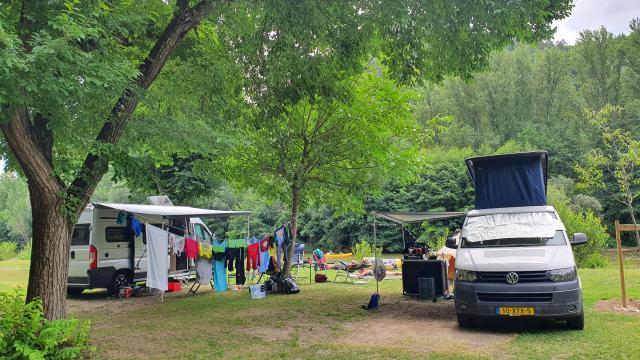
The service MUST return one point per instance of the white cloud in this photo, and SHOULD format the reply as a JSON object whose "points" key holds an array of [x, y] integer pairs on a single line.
{"points": [[591, 14]]}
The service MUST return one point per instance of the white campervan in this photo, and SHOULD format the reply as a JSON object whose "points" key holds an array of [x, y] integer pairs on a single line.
{"points": [[517, 262], [106, 254], [514, 257]]}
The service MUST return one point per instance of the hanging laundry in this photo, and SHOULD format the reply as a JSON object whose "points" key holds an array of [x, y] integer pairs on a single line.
{"points": [[282, 237], [158, 248], [176, 244], [190, 248], [136, 226], [253, 256], [264, 254], [122, 216], [219, 268], [204, 271], [204, 250]]}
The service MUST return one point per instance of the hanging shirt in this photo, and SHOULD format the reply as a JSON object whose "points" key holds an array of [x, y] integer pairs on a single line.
{"points": [[190, 248], [281, 236], [136, 226], [203, 271], [158, 248], [264, 254], [176, 244]]}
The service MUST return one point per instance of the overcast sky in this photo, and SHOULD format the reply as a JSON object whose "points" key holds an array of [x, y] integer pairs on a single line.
{"points": [[591, 14]]}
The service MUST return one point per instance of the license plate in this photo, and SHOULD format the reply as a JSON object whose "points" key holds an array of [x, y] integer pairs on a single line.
{"points": [[515, 311]]}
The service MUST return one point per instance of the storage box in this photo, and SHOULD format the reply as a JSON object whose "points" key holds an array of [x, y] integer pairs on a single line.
{"points": [[174, 287], [257, 291]]}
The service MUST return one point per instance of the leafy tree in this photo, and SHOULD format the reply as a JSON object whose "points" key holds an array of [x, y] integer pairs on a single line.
{"points": [[15, 210], [329, 150], [613, 168], [73, 73]]}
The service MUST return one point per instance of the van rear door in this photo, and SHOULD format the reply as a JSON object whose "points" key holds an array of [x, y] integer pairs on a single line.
{"points": [[79, 254]]}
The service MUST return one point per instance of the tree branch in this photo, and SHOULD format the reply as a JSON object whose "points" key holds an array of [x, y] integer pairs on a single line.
{"points": [[96, 163]]}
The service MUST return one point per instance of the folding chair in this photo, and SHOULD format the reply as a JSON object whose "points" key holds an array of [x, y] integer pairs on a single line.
{"points": [[298, 260], [344, 270]]}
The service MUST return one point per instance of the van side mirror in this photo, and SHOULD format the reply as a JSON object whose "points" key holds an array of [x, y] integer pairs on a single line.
{"points": [[579, 239], [451, 243]]}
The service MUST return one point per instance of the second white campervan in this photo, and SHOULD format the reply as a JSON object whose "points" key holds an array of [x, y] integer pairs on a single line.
{"points": [[105, 253]]}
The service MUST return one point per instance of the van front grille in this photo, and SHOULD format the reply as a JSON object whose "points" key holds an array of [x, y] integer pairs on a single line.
{"points": [[501, 276], [515, 297]]}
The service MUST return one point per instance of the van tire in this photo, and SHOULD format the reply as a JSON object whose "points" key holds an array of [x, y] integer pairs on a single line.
{"points": [[120, 279], [576, 323], [464, 321]]}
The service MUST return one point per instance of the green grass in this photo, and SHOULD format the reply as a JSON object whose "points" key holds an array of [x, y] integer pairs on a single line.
{"points": [[13, 273], [314, 324]]}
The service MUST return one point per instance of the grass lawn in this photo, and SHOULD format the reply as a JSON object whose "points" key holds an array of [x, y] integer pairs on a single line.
{"points": [[325, 321]]}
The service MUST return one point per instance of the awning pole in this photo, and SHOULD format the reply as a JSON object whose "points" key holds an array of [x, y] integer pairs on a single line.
{"points": [[404, 244], [375, 252]]}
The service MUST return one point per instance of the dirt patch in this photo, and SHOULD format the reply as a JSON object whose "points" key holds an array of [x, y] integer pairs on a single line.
{"points": [[615, 305], [423, 326]]}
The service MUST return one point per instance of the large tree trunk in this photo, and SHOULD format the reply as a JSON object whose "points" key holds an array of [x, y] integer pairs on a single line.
{"points": [[295, 207], [52, 229]]}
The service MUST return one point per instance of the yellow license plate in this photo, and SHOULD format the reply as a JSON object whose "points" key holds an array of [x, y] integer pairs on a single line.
{"points": [[515, 311]]}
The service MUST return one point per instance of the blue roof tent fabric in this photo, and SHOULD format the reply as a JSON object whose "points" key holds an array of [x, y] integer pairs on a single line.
{"points": [[509, 180]]}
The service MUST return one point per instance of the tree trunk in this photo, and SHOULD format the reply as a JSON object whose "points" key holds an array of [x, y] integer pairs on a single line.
{"points": [[295, 206], [51, 242], [633, 220]]}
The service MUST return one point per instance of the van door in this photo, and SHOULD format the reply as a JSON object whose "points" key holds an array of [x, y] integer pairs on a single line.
{"points": [[113, 247], [79, 254]]}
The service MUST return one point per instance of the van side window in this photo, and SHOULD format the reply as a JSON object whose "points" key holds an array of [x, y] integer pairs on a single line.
{"points": [[201, 233], [116, 234], [80, 235]]}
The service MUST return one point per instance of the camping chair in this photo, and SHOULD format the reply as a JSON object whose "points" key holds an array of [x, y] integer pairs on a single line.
{"points": [[345, 270], [298, 260]]}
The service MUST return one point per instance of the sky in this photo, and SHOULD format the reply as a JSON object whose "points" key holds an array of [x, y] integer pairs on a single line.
{"points": [[591, 14]]}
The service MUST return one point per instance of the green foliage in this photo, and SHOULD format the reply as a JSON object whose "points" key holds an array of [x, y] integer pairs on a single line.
{"points": [[26, 334], [363, 249], [25, 252], [15, 209], [7, 250], [589, 254]]}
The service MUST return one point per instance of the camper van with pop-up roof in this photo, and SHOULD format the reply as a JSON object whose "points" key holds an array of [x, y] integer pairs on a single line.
{"points": [[514, 258]]}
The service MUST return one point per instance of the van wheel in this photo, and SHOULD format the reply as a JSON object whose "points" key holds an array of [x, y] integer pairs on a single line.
{"points": [[464, 321], [576, 323], [120, 279]]}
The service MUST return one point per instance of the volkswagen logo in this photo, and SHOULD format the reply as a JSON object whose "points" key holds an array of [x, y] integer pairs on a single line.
{"points": [[512, 278]]}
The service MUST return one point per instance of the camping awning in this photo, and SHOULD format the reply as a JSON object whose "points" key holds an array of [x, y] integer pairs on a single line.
{"points": [[170, 211], [417, 217]]}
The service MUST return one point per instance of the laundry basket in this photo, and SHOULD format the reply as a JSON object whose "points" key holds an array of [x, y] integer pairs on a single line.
{"points": [[257, 291]]}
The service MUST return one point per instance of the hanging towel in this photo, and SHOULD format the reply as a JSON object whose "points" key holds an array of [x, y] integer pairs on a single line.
{"points": [[158, 248], [219, 268], [203, 271]]}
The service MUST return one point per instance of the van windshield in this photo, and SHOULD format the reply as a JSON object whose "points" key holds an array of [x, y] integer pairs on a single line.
{"points": [[557, 240]]}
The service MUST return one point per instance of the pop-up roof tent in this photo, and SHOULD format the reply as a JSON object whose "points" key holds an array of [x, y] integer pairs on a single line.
{"points": [[509, 180]]}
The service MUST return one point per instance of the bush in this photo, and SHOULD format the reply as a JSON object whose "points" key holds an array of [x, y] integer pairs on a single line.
{"points": [[364, 249], [25, 253], [7, 250], [589, 254], [26, 334]]}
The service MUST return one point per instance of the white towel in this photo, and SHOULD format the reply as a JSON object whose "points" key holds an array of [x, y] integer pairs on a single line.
{"points": [[158, 248]]}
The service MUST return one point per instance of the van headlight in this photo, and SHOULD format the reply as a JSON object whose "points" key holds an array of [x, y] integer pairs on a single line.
{"points": [[565, 274], [466, 275]]}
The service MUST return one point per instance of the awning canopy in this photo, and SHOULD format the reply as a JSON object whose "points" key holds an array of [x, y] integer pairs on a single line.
{"points": [[170, 211], [417, 217]]}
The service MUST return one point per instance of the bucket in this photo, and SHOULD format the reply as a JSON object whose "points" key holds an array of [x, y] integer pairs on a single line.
{"points": [[257, 291]]}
